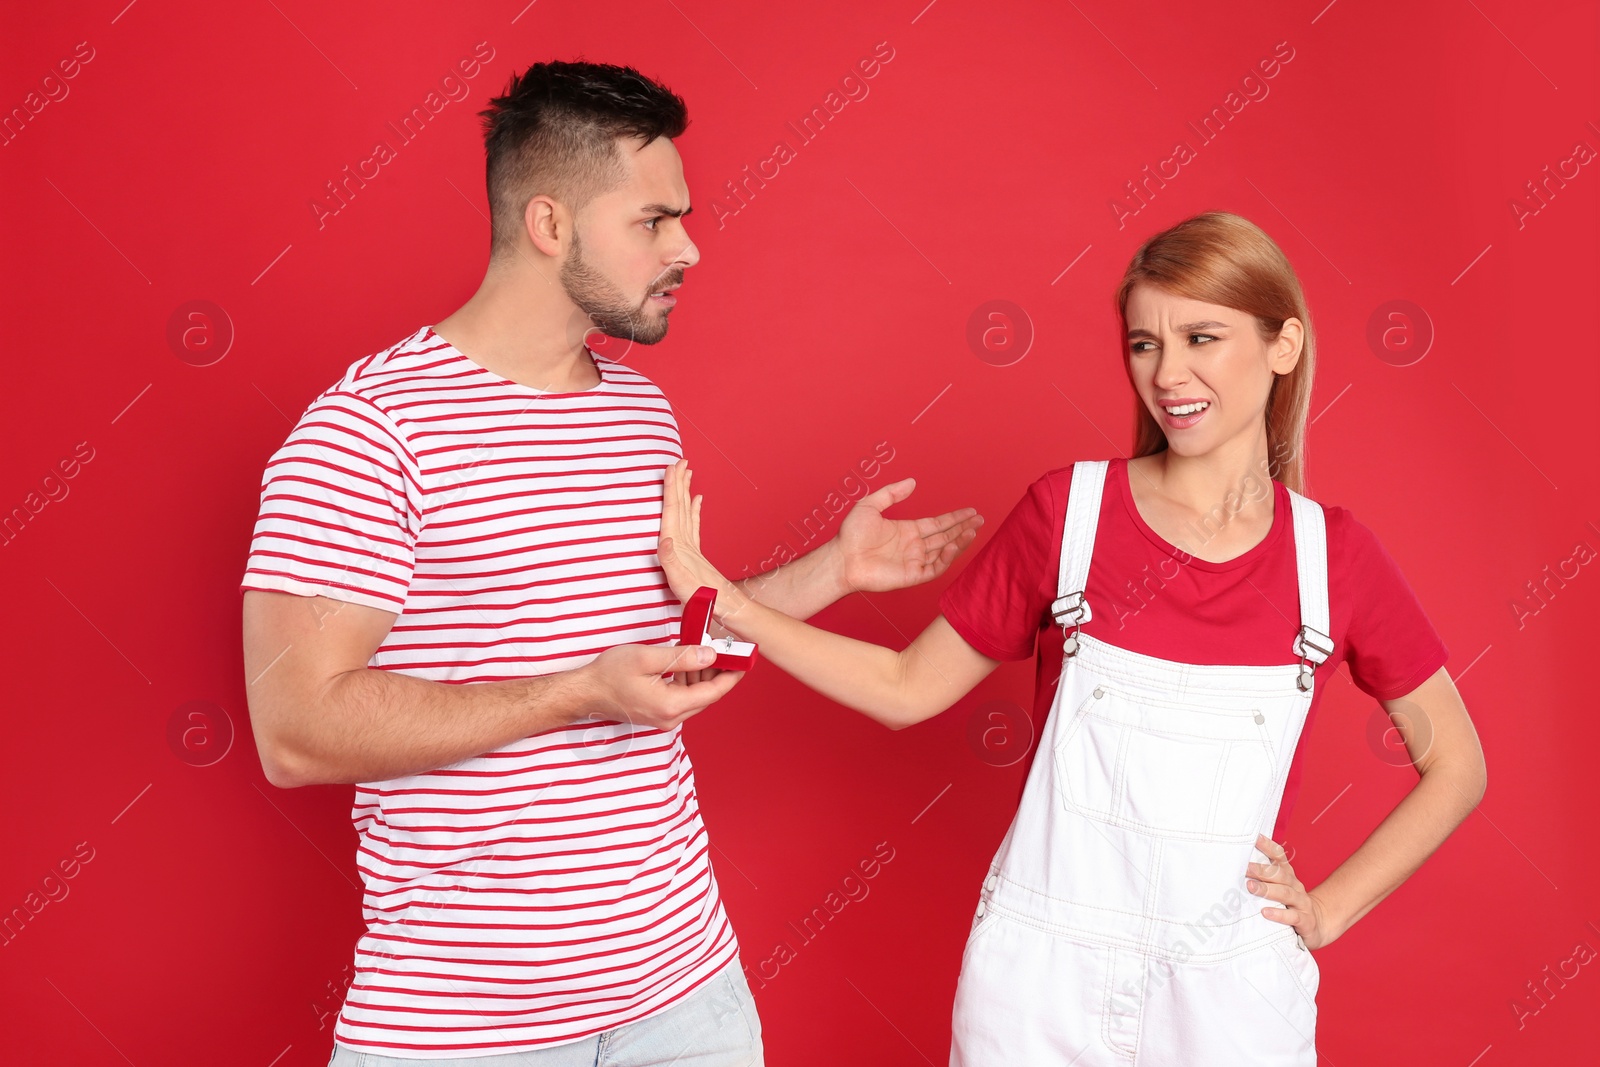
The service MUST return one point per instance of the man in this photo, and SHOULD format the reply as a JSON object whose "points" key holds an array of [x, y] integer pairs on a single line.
{"points": [[453, 601]]}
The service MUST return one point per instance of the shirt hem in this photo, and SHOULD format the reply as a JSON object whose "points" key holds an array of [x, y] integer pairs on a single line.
{"points": [[973, 637], [1420, 675], [721, 959], [332, 592]]}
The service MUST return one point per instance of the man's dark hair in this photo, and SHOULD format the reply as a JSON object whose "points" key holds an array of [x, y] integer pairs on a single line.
{"points": [[554, 131]]}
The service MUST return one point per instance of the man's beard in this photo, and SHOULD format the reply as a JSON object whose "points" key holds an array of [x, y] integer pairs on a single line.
{"points": [[607, 308]]}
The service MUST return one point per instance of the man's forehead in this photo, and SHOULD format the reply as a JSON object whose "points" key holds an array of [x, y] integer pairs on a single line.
{"points": [[654, 180]]}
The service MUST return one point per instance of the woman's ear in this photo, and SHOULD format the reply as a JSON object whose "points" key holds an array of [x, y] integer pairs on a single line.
{"points": [[1288, 345]]}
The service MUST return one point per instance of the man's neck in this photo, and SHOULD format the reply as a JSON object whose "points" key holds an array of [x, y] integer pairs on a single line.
{"points": [[517, 335]]}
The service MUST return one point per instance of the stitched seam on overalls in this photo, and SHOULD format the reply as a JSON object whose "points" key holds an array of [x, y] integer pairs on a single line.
{"points": [[1061, 780], [1158, 863], [1105, 1007], [1197, 701], [1119, 779], [1216, 794], [1256, 751], [1128, 823], [1079, 935], [1184, 682], [1098, 909], [1105, 1000], [1279, 948], [1073, 935]]}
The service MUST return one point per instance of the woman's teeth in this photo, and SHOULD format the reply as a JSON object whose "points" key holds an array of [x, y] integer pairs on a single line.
{"points": [[1188, 409]]}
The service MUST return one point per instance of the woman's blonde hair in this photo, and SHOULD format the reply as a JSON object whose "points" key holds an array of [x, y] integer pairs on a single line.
{"points": [[1222, 258]]}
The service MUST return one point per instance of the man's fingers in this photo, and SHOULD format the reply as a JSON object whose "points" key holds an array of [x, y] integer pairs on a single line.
{"points": [[701, 696], [948, 521], [949, 531], [685, 658], [961, 532], [889, 495]]}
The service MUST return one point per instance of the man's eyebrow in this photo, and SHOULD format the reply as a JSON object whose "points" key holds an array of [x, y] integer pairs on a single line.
{"points": [[663, 209], [1188, 327]]}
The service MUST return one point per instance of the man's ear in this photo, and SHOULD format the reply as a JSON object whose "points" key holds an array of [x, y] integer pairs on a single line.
{"points": [[547, 225]]}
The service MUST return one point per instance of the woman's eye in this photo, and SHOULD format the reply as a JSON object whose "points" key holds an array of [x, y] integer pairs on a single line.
{"points": [[1207, 336], [1136, 344]]}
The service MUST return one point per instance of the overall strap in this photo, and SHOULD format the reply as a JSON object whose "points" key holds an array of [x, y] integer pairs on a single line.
{"points": [[1312, 643], [1070, 608]]}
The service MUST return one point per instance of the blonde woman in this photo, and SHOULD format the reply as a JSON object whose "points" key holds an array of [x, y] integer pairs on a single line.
{"points": [[1189, 606]]}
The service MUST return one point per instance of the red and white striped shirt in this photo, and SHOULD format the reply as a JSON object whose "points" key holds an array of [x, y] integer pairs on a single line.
{"points": [[561, 885]]}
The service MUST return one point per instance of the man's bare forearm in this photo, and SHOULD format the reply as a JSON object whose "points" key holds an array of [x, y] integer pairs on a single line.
{"points": [[371, 725]]}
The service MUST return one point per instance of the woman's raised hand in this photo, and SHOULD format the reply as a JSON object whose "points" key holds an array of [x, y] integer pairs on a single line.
{"points": [[679, 547]]}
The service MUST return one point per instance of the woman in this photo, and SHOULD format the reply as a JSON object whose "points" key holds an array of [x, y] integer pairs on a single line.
{"points": [[1122, 919]]}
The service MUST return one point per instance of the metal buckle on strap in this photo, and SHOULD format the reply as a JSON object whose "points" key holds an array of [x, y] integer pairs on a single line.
{"points": [[1307, 638], [1070, 610], [1305, 643]]}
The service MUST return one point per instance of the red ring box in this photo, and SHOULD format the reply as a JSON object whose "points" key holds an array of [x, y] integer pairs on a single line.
{"points": [[694, 629]]}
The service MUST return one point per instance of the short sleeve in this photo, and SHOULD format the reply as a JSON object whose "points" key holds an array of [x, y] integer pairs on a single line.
{"points": [[1392, 645], [340, 507], [997, 602]]}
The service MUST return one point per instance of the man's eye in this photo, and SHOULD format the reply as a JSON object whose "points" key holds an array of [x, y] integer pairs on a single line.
{"points": [[652, 222]]}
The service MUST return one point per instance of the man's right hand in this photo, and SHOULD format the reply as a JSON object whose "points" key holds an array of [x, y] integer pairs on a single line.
{"points": [[626, 685]]}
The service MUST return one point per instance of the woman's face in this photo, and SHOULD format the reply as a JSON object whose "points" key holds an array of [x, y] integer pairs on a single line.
{"points": [[1202, 370]]}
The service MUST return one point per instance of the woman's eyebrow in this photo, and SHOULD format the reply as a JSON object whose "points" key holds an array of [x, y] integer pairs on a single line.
{"points": [[1188, 327]]}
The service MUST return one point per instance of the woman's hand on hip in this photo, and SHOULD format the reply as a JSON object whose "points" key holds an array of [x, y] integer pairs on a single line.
{"points": [[1276, 881]]}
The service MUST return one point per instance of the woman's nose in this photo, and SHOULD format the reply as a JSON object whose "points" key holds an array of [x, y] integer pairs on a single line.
{"points": [[1170, 370]]}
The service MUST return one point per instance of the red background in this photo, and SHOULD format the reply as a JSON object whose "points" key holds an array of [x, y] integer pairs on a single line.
{"points": [[217, 914]]}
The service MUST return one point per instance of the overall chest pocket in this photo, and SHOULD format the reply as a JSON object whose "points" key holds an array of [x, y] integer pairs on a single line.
{"points": [[1198, 768]]}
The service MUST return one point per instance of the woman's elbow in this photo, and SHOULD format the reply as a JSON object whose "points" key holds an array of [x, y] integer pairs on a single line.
{"points": [[1469, 779], [1481, 782], [908, 713]]}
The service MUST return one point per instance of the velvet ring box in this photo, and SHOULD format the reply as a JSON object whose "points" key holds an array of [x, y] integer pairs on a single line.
{"points": [[694, 629]]}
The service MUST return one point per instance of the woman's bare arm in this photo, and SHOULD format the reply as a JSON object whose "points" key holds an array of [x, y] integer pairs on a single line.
{"points": [[897, 689], [1444, 749]]}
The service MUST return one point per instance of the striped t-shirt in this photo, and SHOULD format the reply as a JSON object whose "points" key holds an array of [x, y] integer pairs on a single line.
{"points": [[561, 885]]}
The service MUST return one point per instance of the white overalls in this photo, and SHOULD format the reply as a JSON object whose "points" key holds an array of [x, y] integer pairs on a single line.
{"points": [[1114, 927]]}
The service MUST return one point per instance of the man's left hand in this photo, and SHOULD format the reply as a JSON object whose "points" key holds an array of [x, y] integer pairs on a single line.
{"points": [[879, 554]]}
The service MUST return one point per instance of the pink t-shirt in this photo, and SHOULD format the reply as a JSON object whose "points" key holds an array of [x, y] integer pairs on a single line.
{"points": [[560, 885], [1151, 597]]}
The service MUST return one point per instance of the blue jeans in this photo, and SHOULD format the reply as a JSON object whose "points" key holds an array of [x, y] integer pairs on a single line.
{"points": [[715, 1026]]}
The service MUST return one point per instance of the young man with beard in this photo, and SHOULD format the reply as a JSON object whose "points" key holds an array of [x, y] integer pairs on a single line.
{"points": [[453, 600]]}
